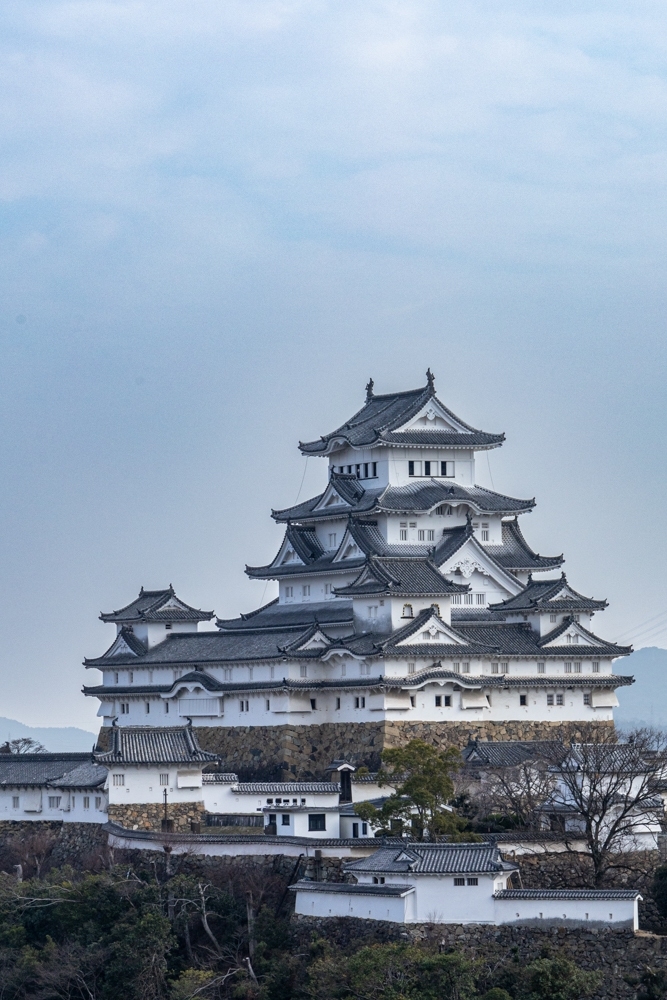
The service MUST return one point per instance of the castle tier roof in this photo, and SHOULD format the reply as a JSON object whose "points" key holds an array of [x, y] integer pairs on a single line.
{"points": [[421, 496], [440, 859], [400, 578], [155, 745], [515, 553], [509, 753], [276, 616], [549, 595], [381, 422], [157, 606], [57, 770]]}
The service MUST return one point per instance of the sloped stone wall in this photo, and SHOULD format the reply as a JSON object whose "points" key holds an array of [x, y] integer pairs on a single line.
{"points": [[273, 752]]}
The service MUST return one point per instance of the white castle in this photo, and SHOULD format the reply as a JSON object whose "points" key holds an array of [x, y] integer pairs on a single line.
{"points": [[407, 595]]}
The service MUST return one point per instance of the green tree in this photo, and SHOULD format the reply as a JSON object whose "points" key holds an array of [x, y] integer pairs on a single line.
{"points": [[549, 979], [421, 777]]}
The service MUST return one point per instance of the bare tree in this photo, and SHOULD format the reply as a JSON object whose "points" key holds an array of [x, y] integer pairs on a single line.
{"points": [[606, 793], [23, 744], [519, 791]]}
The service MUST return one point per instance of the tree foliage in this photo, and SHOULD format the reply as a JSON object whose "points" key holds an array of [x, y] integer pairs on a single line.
{"points": [[421, 778]]}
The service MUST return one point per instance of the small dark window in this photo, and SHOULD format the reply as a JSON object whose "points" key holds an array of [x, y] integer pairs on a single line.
{"points": [[317, 821], [411, 468], [378, 880], [355, 830], [412, 701], [285, 819], [337, 702], [167, 625], [472, 881], [523, 699], [448, 701], [427, 468], [313, 703], [438, 701], [459, 881]]}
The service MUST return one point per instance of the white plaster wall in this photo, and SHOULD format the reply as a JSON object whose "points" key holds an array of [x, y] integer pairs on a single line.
{"points": [[565, 911], [323, 904], [70, 810], [438, 900], [298, 824], [142, 785]]}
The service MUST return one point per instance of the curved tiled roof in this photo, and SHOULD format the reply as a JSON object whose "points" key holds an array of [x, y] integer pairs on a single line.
{"points": [[441, 859], [516, 554], [539, 595], [420, 496], [287, 787], [155, 745], [379, 420], [350, 889], [149, 606], [592, 894], [401, 578], [275, 616], [57, 770]]}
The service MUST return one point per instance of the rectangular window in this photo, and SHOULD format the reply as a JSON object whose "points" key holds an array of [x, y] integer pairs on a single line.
{"points": [[577, 668], [166, 708], [427, 468], [480, 598], [448, 701], [494, 668], [459, 881], [553, 619], [372, 611], [15, 801], [412, 701], [473, 881], [86, 802], [365, 669], [164, 779], [131, 675], [360, 702], [412, 667], [148, 708], [115, 678], [541, 668], [421, 535], [414, 468], [289, 591], [560, 699], [285, 819], [328, 589], [378, 880], [568, 667], [456, 598], [456, 667], [587, 698], [364, 829], [332, 540], [317, 821], [228, 673], [267, 705], [550, 699], [124, 708], [167, 626], [365, 470], [465, 667], [504, 668], [438, 701], [54, 801], [467, 598], [430, 535], [337, 703], [303, 670], [98, 802], [305, 590], [596, 667], [119, 780], [523, 699], [447, 469], [244, 705], [485, 532], [355, 830], [313, 704]]}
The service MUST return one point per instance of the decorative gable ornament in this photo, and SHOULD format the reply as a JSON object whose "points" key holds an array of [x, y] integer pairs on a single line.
{"points": [[468, 567]]}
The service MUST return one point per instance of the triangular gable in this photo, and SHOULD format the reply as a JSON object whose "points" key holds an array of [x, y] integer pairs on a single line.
{"points": [[331, 498], [404, 856], [571, 635], [432, 416], [121, 647], [316, 641], [348, 549], [432, 630], [287, 555], [172, 603], [564, 594], [470, 557]]}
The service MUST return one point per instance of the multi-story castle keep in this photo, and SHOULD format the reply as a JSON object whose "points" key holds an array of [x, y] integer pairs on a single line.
{"points": [[410, 604]]}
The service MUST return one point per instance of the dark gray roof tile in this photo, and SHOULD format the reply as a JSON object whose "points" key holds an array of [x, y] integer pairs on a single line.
{"points": [[349, 889], [433, 858], [155, 745], [149, 606]]}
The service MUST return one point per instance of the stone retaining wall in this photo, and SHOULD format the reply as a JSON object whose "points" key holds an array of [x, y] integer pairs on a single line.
{"points": [[149, 816], [290, 751], [616, 954]]}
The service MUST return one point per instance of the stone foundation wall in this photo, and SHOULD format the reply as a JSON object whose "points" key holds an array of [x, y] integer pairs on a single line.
{"points": [[149, 816], [616, 954], [274, 752]]}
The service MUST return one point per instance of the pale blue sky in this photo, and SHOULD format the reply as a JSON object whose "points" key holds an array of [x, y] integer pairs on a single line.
{"points": [[219, 218]]}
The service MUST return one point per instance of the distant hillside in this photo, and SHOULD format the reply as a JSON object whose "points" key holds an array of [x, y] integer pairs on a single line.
{"points": [[645, 702], [56, 739]]}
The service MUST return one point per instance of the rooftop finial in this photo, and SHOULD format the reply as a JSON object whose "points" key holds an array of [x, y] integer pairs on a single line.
{"points": [[430, 378], [369, 390]]}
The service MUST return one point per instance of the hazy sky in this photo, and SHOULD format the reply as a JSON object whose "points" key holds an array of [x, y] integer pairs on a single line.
{"points": [[220, 218]]}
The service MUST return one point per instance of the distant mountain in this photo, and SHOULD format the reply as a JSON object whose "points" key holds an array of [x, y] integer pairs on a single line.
{"points": [[56, 739], [645, 702]]}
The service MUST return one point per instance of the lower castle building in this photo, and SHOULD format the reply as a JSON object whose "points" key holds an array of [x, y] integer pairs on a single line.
{"points": [[410, 605]]}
